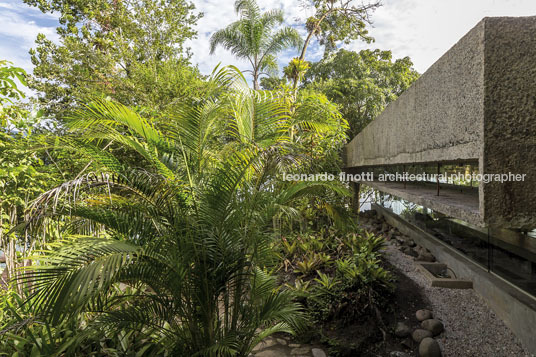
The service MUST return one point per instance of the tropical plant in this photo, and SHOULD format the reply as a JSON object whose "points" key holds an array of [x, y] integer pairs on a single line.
{"points": [[10, 93], [23, 177], [253, 38], [189, 228], [350, 281], [23, 333], [8, 86], [23, 173]]}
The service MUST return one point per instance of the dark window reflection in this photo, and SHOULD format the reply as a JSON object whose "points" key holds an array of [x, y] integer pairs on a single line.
{"points": [[507, 253]]}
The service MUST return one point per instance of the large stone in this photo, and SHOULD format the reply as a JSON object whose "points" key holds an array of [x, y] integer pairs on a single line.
{"points": [[402, 330], [317, 352], [429, 348], [425, 257], [424, 314], [433, 325], [281, 341], [410, 243], [419, 334], [413, 253], [266, 343]]}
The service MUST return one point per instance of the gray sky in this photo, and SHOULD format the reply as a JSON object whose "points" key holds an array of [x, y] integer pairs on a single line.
{"points": [[420, 29]]}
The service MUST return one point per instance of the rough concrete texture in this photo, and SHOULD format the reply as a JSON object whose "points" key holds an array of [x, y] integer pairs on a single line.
{"points": [[510, 120], [478, 101], [437, 119]]}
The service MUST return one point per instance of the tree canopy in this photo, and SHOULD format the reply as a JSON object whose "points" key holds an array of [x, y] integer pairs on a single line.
{"points": [[336, 21], [361, 83], [131, 50]]}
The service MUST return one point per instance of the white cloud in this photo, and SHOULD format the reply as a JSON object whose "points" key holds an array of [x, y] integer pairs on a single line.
{"points": [[20, 27], [16, 26], [218, 14], [426, 29], [421, 29]]}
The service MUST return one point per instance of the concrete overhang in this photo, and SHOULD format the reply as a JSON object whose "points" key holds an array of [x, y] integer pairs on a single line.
{"points": [[476, 103]]}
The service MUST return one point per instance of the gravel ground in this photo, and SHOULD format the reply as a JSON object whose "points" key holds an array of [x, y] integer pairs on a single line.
{"points": [[471, 327]]}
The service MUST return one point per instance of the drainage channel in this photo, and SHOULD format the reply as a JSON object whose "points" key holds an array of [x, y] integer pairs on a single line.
{"points": [[509, 254]]}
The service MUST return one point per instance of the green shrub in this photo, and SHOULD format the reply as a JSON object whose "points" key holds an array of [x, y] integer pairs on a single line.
{"points": [[336, 275]]}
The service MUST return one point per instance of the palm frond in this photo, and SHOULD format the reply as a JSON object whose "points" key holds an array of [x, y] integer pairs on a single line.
{"points": [[76, 274]]}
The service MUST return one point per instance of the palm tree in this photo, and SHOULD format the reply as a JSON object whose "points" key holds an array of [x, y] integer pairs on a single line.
{"points": [[253, 38], [185, 237]]}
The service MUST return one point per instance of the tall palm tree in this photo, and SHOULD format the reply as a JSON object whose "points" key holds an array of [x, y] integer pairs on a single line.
{"points": [[184, 237], [253, 38]]}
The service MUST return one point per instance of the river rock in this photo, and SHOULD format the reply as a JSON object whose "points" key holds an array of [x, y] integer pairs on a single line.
{"points": [[411, 252], [281, 341], [425, 257], [266, 343], [433, 325], [411, 243], [402, 330], [423, 314], [419, 334], [317, 352], [276, 351], [429, 348]]}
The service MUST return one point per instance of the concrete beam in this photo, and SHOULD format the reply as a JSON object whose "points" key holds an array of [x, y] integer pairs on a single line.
{"points": [[476, 103]]}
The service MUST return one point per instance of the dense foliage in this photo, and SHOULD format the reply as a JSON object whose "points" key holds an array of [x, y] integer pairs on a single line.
{"points": [[132, 51], [334, 22], [143, 209], [337, 274], [172, 246], [362, 83]]}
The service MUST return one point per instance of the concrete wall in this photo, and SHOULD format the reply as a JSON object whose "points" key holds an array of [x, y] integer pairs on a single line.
{"points": [[477, 102], [510, 120], [438, 118]]}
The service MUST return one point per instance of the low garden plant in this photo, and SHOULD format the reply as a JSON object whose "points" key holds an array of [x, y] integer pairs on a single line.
{"points": [[337, 276]]}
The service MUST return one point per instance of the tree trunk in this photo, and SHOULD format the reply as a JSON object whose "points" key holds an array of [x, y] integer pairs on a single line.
{"points": [[256, 80], [306, 44]]}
